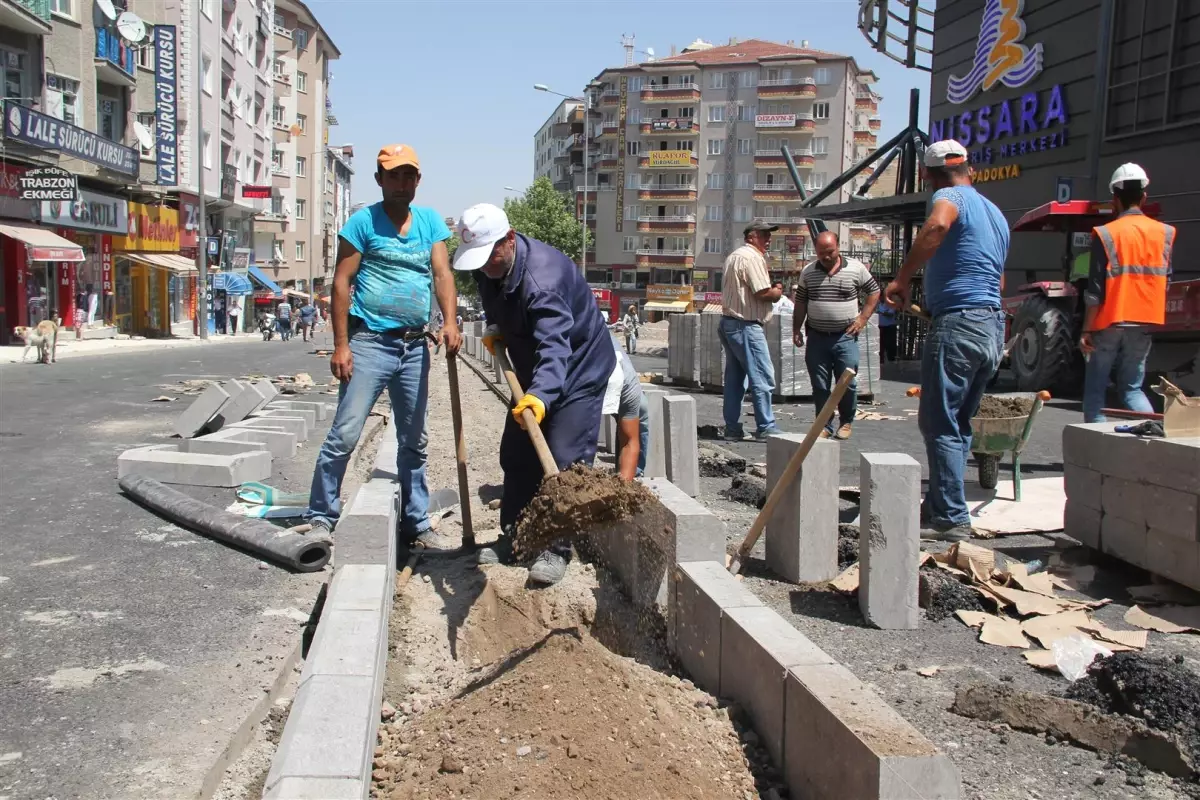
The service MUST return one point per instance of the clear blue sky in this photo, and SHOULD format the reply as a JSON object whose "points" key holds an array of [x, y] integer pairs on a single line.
{"points": [[455, 79]]}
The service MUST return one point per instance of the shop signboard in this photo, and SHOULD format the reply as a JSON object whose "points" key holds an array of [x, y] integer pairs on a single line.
{"points": [[166, 105], [33, 128], [774, 120], [189, 221], [255, 192], [668, 293], [93, 211], [712, 297], [603, 296], [49, 183], [669, 158], [151, 228]]}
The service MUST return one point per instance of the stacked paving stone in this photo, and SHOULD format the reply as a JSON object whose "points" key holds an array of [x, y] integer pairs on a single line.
{"points": [[683, 343], [1136, 498]]}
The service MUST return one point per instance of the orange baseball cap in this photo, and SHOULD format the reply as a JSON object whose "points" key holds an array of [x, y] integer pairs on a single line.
{"points": [[397, 155]]}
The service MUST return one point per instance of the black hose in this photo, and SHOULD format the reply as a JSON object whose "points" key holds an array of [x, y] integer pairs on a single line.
{"points": [[301, 552]]}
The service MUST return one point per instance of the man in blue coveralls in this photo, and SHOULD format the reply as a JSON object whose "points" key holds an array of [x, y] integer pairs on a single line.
{"points": [[542, 310], [389, 254]]}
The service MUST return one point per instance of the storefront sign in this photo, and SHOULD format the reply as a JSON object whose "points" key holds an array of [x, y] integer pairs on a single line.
{"points": [[667, 293], [774, 120], [166, 105], [669, 158], [256, 192], [988, 174], [49, 183], [106, 263], [672, 124], [241, 259], [999, 55], [712, 297], [151, 228], [699, 274], [189, 220], [621, 112], [1030, 123], [25, 125], [93, 211], [228, 182], [603, 297]]}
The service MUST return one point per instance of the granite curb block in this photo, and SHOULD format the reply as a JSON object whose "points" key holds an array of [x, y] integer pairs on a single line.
{"points": [[170, 463]]}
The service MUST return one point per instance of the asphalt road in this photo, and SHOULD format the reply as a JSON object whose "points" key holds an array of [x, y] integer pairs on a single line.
{"points": [[130, 650]]}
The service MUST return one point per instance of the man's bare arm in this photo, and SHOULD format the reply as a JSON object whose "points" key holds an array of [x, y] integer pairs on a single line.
{"points": [[928, 240], [348, 261], [447, 295]]}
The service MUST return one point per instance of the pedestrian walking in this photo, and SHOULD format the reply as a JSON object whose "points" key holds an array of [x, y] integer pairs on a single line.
{"points": [[391, 256], [746, 299], [308, 317], [631, 323], [283, 318], [235, 314], [1126, 291], [834, 302], [784, 304], [888, 346], [965, 242]]}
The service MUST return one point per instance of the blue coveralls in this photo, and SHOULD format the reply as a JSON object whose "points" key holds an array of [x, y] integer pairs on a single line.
{"points": [[562, 353]]}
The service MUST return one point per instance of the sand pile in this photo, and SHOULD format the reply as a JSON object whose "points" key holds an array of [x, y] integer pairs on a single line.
{"points": [[574, 502], [993, 407]]}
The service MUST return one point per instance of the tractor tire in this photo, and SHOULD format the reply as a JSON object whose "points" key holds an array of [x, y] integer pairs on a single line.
{"points": [[1045, 355]]}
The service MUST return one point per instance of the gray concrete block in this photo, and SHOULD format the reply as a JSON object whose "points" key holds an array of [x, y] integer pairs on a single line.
{"points": [[1173, 463], [1124, 539], [615, 547], [1122, 498], [347, 642], [197, 415], [703, 590], [317, 789], [364, 532], [1173, 557], [889, 540], [656, 449], [1172, 511], [307, 414], [608, 434], [1177, 463], [219, 447], [681, 451], [802, 533], [385, 454], [330, 732], [757, 648], [167, 464], [683, 338], [293, 425], [1082, 485], [280, 443], [842, 740], [1082, 522], [321, 410], [361, 587], [268, 391], [243, 398]]}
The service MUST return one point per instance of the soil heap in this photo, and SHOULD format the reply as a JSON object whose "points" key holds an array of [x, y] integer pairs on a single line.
{"points": [[993, 407], [573, 502]]}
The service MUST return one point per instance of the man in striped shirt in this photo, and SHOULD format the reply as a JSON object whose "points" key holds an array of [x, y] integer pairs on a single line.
{"points": [[827, 299]]}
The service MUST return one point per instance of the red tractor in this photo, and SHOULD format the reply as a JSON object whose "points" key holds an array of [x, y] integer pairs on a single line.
{"points": [[1047, 316]]}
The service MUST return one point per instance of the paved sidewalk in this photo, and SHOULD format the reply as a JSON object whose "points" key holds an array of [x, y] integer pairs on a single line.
{"points": [[69, 347]]}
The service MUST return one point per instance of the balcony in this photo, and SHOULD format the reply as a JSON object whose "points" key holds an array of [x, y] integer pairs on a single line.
{"points": [[607, 130], [227, 45], [675, 193], [669, 159], [768, 192], [671, 93], [787, 225], [283, 84], [676, 126], [283, 38], [606, 161], [281, 177], [863, 134], [684, 224], [668, 259], [787, 89], [114, 59], [610, 97], [866, 100], [875, 123], [774, 158], [26, 16]]}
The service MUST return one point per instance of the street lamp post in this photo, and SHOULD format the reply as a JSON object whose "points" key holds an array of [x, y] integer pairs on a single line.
{"points": [[587, 113]]}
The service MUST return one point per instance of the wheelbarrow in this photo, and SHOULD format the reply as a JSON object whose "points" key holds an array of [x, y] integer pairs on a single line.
{"points": [[992, 437]]}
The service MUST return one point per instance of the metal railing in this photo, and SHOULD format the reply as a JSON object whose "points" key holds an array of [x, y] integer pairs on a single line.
{"points": [[686, 218], [788, 82], [797, 152], [783, 220], [673, 187], [647, 251], [282, 31], [283, 77], [774, 187]]}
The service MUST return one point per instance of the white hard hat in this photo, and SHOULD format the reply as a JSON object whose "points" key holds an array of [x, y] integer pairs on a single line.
{"points": [[479, 228], [1129, 172], [946, 153]]}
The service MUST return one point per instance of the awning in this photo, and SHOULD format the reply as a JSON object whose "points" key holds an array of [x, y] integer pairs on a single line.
{"points": [[232, 283], [168, 261], [43, 243], [678, 306], [296, 293], [260, 277]]}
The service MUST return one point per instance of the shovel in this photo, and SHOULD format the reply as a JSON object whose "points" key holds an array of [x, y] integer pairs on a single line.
{"points": [[460, 452]]}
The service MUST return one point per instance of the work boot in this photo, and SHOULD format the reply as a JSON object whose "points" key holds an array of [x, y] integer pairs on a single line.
{"points": [[548, 569], [427, 538], [947, 533], [843, 432], [761, 436], [320, 527], [498, 552], [734, 434]]}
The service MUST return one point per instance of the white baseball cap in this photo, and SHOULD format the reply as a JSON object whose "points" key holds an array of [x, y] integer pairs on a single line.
{"points": [[479, 228], [946, 153], [1129, 172]]}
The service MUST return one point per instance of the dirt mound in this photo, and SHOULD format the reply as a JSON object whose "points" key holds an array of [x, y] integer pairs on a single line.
{"points": [[943, 594], [720, 464], [746, 489], [993, 407], [572, 503], [847, 545]]}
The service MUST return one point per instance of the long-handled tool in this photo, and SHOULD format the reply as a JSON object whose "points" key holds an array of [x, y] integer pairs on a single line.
{"points": [[460, 453], [790, 472], [549, 466]]}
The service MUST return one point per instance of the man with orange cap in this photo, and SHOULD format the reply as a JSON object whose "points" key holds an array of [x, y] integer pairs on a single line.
{"points": [[389, 255], [1127, 290]]}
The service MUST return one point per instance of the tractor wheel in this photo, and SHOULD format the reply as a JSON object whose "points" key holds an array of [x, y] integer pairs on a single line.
{"points": [[1045, 355], [989, 470]]}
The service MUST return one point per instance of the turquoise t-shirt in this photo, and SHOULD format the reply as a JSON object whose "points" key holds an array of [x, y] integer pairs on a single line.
{"points": [[392, 287]]}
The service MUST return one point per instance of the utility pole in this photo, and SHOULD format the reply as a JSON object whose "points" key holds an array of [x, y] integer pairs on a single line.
{"points": [[201, 215]]}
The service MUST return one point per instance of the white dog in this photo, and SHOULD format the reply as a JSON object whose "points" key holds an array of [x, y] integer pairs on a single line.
{"points": [[44, 337]]}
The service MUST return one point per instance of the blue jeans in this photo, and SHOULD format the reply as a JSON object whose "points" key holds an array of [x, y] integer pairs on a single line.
{"points": [[380, 362], [631, 343], [959, 358], [746, 359], [1121, 354], [827, 356], [643, 433], [285, 328]]}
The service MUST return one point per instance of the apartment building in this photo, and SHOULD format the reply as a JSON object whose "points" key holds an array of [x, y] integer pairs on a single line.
{"points": [[557, 146], [338, 174], [294, 239], [688, 152]]}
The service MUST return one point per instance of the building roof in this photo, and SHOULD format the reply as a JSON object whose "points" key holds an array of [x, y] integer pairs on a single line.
{"points": [[299, 8], [745, 52]]}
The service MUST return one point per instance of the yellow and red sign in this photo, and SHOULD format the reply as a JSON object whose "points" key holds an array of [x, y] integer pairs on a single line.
{"points": [[151, 228], [669, 158], [668, 293]]}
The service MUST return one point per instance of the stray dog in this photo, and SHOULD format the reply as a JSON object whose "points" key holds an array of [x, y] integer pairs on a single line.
{"points": [[44, 337]]}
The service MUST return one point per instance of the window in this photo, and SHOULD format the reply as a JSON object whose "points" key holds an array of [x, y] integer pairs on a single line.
{"points": [[206, 72], [301, 208], [144, 57], [741, 213], [206, 145], [745, 180], [258, 171], [682, 211], [821, 75], [635, 84], [687, 112], [820, 145], [715, 180], [748, 78], [279, 22], [1153, 70], [746, 113], [206, 7], [745, 147], [147, 122], [301, 166], [329, 208], [716, 113], [302, 122], [279, 67], [629, 244], [299, 250], [716, 147], [110, 118], [276, 159], [635, 116], [820, 110], [633, 147], [62, 99], [631, 213], [716, 80], [301, 81], [713, 213], [237, 164], [277, 114], [301, 37], [684, 144], [239, 35], [633, 180], [240, 96], [712, 245], [817, 180], [64, 7]]}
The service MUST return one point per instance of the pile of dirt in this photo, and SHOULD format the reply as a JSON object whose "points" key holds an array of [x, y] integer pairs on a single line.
{"points": [[847, 545], [710, 432], [746, 489], [942, 594], [720, 463], [994, 407], [573, 502]]}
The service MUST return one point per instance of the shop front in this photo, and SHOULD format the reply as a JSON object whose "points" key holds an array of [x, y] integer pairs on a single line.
{"points": [[40, 263], [665, 298], [155, 285], [604, 301]]}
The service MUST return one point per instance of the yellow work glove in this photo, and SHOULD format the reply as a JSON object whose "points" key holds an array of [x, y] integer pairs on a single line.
{"points": [[533, 404], [491, 335]]}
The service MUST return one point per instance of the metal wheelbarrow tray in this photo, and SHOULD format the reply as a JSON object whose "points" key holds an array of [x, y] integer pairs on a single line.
{"points": [[991, 438]]}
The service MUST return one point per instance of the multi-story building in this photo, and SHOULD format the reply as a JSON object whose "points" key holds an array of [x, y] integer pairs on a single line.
{"points": [[338, 174], [688, 152], [295, 238], [557, 146]]}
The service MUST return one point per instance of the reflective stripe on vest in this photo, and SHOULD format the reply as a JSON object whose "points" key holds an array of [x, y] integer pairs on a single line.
{"points": [[1139, 261]]}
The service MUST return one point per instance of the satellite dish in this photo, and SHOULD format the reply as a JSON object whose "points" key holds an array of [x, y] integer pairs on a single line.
{"points": [[131, 27], [145, 139], [649, 50], [107, 8]]}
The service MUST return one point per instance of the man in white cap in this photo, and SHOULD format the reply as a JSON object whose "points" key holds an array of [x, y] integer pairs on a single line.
{"points": [[962, 245], [1127, 290], [543, 312]]}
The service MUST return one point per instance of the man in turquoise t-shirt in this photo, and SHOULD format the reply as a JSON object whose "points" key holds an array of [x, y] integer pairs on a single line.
{"points": [[389, 254]]}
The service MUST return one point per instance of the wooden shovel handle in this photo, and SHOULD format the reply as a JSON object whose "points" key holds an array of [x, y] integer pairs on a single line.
{"points": [[549, 467], [460, 451]]}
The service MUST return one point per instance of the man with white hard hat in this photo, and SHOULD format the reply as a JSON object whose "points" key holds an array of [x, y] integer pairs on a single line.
{"points": [[962, 245], [543, 312], [1127, 290]]}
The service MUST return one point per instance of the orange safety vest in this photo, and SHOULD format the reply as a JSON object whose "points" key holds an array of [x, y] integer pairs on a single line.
{"points": [[1139, 260]]}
